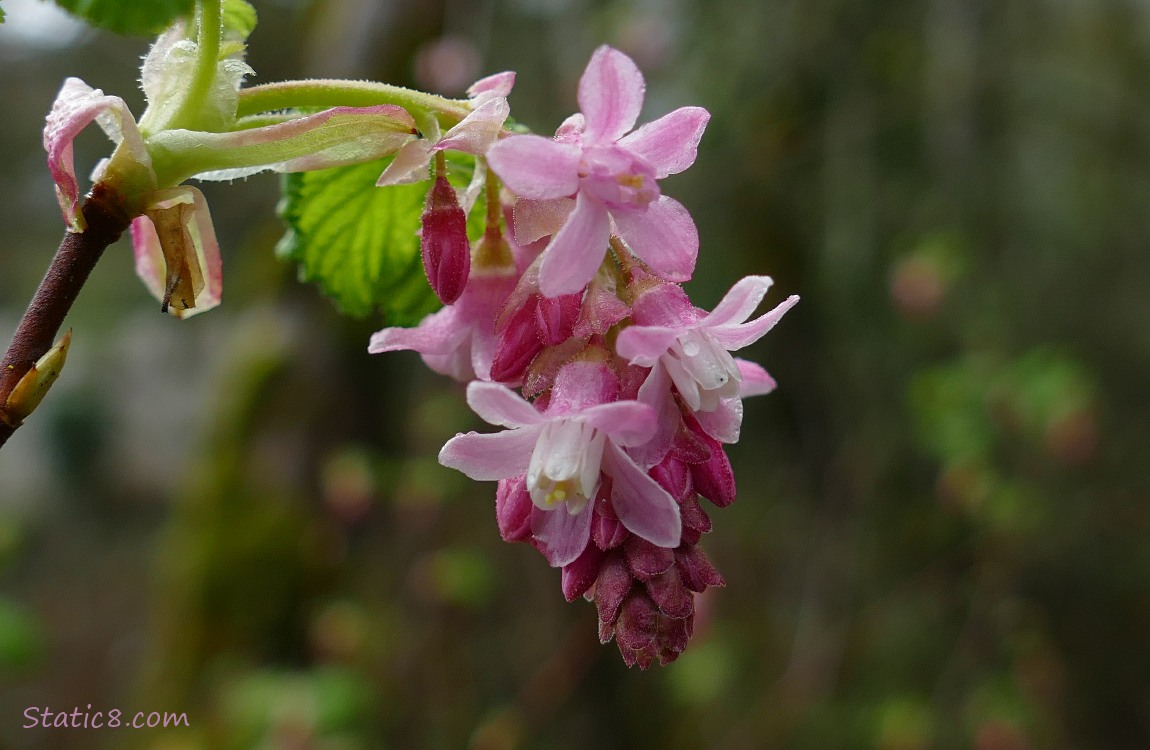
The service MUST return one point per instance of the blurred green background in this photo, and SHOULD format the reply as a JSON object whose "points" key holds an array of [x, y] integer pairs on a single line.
{"points": [[941, 538]]}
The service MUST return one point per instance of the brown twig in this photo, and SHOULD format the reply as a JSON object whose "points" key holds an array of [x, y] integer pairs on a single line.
{"points": [[74, 261]]}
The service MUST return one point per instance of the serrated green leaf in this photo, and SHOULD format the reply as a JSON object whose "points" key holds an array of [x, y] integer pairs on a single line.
{"points": [[132, 17], [358, 241]]}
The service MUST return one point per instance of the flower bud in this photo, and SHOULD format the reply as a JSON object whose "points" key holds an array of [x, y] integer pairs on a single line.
{"points": [[513, 509], [443, 243]]}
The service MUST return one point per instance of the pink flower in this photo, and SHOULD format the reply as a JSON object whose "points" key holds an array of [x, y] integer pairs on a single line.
{"points": [[693, 346], [459, 340], [612, 175], [562, 452], [474, 134]]}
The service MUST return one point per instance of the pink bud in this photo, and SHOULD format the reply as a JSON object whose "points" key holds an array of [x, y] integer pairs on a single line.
{"points": [[714, 478], [645, 560], [556, 316], [579, 575], [518, 344], [513, 509], [443, 242], [611, 589], [696, 570], [607, 531], [670, 595]]}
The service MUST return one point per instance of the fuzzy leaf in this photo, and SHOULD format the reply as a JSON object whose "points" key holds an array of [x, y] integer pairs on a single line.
{"points": [[129, 16], [358, 241], [239, 20]]}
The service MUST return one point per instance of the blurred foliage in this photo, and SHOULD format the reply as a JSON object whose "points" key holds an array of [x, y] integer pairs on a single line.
{"points": [[940, 540], [129, 16]]}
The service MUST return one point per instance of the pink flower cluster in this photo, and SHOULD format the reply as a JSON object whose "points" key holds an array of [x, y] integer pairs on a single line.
{"points": [[627, 391]]}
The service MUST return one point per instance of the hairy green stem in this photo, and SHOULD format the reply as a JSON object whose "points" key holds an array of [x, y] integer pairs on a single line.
{"points": [[323, 93]]}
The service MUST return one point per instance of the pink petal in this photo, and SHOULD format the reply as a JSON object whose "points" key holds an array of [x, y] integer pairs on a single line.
{"points": [[493, 456], [739, 302], [536, 167], [656, 391], [499, 84], [560, 536], [536, 219], [756, 381], [577, 250], [513, 509], [644, 507], [610, 95], [409, 165], [627, 423], [643, 345], [436, 334], [724, 423], [332, 138], [671, 143], [735, 336], [476, 132], [77, 105], [663, 235], [499, 405], [149, 257]]}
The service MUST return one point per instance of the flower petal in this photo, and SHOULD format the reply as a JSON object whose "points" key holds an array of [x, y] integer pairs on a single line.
{"points": [[663, 235], [409, 165], [739, 302], [78, 104], [643, 345], [536, 219], [536, 167], [332, 138], [627, 423], [560, 536], [436, 334], [476, 132], [610, 95], [756, 382], [498, 84], [656, 391], [644, 507], [736, 336], [499, 405], [671, 143], [724, 422], [577, 250], [493, 456]]}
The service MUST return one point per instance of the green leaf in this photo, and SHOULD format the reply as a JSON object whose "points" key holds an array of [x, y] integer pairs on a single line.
{"points": [[239, 19], [129, 16], [358, 241]]}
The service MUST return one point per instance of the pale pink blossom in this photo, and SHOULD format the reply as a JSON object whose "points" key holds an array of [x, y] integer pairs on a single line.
{"points": [[562, 453], [693, 347], [613, 175]]}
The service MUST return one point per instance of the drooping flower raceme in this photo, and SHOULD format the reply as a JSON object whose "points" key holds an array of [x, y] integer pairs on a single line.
{"points": [[628, 391]]}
